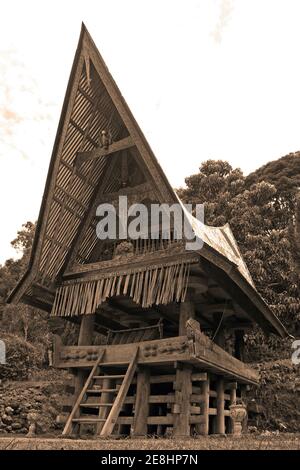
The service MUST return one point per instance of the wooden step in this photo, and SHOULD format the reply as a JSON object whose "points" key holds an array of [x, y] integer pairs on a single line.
{"points": [[114, 364], [96, 377], [88, 420], [103, 390], [94, 405]]}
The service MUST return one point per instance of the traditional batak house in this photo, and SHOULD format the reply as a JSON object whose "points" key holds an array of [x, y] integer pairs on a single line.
{"points": [[173, 319]]}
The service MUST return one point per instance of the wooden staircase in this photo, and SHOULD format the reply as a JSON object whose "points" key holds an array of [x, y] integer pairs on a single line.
{"points": [[104, 393]]}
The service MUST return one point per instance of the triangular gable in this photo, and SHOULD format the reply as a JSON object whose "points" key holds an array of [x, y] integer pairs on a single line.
{"points": [[92, 102]]}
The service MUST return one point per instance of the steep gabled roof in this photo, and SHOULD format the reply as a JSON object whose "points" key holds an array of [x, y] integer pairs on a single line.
{"points": [[94, 102]]}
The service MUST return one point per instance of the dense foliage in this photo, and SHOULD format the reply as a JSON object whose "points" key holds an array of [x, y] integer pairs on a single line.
{"points": [[294, 233], [31, 325], [259, 209], [22, 358]]}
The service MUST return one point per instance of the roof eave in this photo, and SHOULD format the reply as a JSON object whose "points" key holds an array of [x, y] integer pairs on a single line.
{"points": [[274, 324]]}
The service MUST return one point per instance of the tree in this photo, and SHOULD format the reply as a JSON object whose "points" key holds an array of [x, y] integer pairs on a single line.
{"points": [[22, 320], [284, 174], [13, 269], [294, 236], [258, 213], [31, 324]]}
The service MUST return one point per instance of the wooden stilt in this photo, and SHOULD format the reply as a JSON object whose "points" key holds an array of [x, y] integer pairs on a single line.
{"points": [[220, 419], [181, 409], [204, 427], [141, 412], [106, 397], [183, 382], [232, 387], [86, 330], [85, 338]]}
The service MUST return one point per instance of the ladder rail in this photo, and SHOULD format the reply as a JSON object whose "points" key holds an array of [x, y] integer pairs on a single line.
{"points": [[120, 398], [76, 406]]}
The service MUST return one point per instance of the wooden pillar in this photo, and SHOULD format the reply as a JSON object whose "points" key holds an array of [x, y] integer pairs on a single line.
{"points": [[204, 427], [239, 345], [181, 408], [141, 411], [183, 383], [85, 338], [220, 419], [106, 397], [233, 387], [86, 330], [187, 310]]}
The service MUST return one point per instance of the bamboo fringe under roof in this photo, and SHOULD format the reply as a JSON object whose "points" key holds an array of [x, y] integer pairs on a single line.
{"points": [[147, 286]]}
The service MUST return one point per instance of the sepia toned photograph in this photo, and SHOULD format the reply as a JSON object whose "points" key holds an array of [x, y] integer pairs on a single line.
{"points": [[150, 231]]}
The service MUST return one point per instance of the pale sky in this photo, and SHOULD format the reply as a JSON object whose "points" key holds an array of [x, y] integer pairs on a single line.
{"points": [[204, 78]]}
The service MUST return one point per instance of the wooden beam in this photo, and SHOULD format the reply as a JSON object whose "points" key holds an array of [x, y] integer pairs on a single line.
{"points": [[220, 419], [160, 420], [106, 397], [233, 388], [84, 339], [129, 315], [199, 376], [158, 379], [86, 330], [33, 302], [89, 271], [43, 292], [141, 411], [204, 354], [183, 392], [107, 322], [204, 426], [122, 144], [113, 197]]}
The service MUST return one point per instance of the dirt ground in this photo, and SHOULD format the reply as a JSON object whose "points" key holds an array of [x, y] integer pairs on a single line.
{"points": [[282, 441]]}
